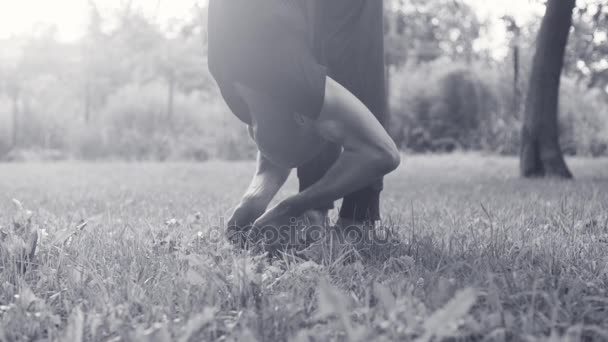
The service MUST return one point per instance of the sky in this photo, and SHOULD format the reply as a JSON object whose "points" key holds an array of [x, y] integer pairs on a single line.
{"points": [[522, 10], [496, 39], [69, 16]]}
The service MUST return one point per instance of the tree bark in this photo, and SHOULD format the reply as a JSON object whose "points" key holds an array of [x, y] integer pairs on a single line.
{"points": [[541, 155], [516, 92], [87, 101], [15, 98], [170, 96]]}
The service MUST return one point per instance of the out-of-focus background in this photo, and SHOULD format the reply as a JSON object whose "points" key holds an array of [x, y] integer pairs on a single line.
{"points": [[466, 251], [128, 79]]}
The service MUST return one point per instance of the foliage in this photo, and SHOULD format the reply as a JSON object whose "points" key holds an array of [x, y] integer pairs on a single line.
{"points": [[588, 46], [130, 89], [137, 128], [423, 30], [583, 120], [441, 106]]}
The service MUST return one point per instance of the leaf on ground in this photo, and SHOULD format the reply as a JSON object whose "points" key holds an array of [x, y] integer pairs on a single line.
{"points": [[157, 333], [196, 323], [194, 278], [63, 236], [14, 245], [17, 204], [3, 234], [94, 323], [3, 337], [384, 296], [31, 244], [82, 224], [271, 273], [302, 268], [193, 218], [443, 322], [331, 301], [247, 335], [75, 328], [26, 297], [192, 259], [173, 222]]}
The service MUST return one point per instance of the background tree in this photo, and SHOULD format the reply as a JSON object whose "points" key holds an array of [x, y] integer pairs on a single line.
{"points": [[423, 30], [10, 87], [515, 32], [134, 87], [541, 154], [92, 60], [181, 64], [586, 54], [419, 32]]}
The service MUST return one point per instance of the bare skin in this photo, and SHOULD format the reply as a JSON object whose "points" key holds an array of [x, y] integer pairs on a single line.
{"points": [[266, 182], [368, 153]]}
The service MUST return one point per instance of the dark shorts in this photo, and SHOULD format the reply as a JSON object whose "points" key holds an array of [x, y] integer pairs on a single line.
{"points": [[267, 46]]}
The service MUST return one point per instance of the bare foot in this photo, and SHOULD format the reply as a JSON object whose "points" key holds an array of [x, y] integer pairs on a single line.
{"points": [[240, 222], [307, 229], [316, 223]]}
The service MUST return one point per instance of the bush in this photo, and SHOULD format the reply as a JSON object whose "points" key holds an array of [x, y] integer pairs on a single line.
{"points": [[583, 119], [442, 106], [35, 155], [134, 126], [88, 143], [435, 106]]}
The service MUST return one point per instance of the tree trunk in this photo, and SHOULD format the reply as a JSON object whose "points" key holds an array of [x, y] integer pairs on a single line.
{"points": [[15, 99], [170, 96], [516, 92], [87, 101], [541, 155]]}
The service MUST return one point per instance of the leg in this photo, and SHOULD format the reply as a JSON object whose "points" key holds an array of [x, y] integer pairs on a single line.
{"points": [[266, 182], [354, 53], [369, 153], [312, 171]]}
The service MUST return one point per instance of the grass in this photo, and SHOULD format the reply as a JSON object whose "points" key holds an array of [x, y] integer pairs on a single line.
{"points": [[134, 252]]}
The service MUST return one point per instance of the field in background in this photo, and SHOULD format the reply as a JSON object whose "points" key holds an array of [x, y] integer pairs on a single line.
{"points": [[130, 252]]}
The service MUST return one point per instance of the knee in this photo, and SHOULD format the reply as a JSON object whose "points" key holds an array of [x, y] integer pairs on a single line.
{"points": [[393, 159], [388, 158]]}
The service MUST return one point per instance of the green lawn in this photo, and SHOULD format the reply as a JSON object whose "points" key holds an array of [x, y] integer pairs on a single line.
{"points": [[131, 252]]}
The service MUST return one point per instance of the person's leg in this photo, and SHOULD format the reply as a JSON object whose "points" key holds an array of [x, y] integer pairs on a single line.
{"points": [[353, 50], [368, 154], [310, 172], [317, 219]]}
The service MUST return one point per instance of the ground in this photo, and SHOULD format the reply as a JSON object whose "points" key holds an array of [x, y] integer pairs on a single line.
{"points": [[135, 252]]}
